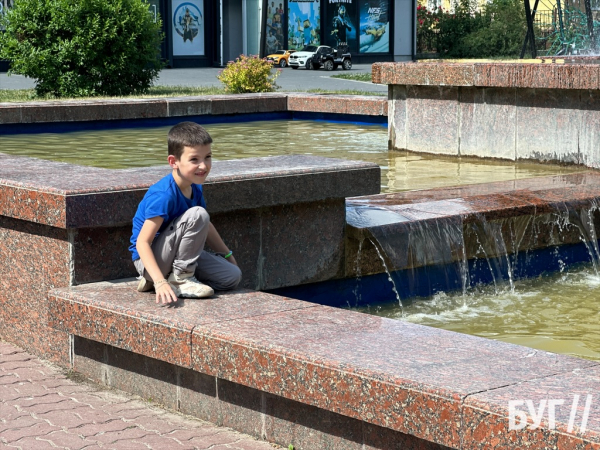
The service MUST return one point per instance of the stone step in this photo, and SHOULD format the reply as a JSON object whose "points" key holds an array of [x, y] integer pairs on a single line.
{"points": [[288, 371]]}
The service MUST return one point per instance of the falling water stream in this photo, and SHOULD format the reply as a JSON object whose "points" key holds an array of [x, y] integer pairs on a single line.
{"points": [[556, 310]]}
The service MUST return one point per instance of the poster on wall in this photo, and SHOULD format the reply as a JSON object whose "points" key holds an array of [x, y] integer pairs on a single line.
{"points": [[374, 31], [304, 23], [340, 28], [275, 27], [188, 27]]}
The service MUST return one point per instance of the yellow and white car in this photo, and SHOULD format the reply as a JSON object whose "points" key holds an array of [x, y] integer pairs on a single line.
{"points": [[280, 58]]}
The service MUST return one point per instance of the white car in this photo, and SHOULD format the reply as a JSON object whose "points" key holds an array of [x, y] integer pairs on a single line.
{"points": [[304, 58]]}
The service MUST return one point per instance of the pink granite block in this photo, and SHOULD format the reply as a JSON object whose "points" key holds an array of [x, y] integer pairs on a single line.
{"points": [[93, 110], [432, 119], [384, 73], [34, 206], [100, 254], [116, 314], [495, 75], [570, 391], [338, 104], [386, 372], [488, 122], [242, 234], [589, 134], [526, 187], [458, 74], [189, 106], [497, 206], [10, 113], [376, 73], [102, 209], [536, 76], [581, 76], [34, 260], [247, 103], [535, 139], [314, 237], [397, 120]]}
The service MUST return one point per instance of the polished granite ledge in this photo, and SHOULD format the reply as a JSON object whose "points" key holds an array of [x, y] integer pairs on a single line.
{"points": [[171, 107], [490, 201], [440, 386], [489, 74], [548, 211], [69, 196]]}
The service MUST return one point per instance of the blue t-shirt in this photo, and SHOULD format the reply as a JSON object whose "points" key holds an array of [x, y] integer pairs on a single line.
{"points": [[163, 199]]}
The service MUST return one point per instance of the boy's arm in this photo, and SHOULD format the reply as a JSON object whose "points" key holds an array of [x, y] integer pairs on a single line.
{"points": [[164, 292], [214, 241]]}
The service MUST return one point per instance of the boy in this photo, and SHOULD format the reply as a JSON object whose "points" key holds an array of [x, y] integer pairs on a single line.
{"points": [[171, 226]]}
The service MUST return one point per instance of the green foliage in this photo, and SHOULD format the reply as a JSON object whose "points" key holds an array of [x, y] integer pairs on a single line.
{"points": [[26, 95], [497, 29], [77, 48], [248, 74], [501, 33]]}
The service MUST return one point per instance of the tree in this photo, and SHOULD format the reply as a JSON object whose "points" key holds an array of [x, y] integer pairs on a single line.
{"points": [[75, 48]]}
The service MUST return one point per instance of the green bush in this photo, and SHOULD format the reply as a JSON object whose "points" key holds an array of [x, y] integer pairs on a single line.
{"points": [[76, 48], [496, 28], [501, 33], [248, 74]]}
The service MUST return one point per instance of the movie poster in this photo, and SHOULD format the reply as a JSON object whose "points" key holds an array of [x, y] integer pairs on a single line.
{"points": [[274, 29], [304, 23], [340, 24], [188, 27], [374, 34]]}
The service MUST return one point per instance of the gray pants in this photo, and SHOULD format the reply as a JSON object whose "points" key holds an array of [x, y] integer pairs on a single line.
{"points": [[180, 249]]}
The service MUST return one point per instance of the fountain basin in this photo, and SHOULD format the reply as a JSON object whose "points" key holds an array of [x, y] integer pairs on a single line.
{"points": [[509, 110], [280, 369]]}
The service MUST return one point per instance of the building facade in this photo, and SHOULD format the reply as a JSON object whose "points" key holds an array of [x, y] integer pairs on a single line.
{"points": [[208, 33]]}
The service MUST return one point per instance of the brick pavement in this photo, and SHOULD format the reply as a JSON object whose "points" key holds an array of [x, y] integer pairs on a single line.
{"points": [[42, 408]]}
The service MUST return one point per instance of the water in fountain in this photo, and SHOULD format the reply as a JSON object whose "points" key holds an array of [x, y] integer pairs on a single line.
{"points": [[474, 271]]}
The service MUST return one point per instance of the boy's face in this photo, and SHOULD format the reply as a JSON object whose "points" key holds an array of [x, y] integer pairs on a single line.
{"points": [[194, 165]]}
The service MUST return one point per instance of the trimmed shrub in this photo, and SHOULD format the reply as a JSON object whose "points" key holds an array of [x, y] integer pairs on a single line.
{"points": [[249, 74], [76, 48]]}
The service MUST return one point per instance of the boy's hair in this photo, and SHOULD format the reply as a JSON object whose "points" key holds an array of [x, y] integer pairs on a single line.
{"points": [[186, 134]]}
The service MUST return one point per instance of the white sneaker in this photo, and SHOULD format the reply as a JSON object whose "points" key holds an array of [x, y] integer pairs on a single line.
{"points": [[186, 285], [145, 285]]}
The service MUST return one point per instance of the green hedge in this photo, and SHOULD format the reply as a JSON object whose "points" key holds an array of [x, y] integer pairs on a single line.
{"points": [[497, 29], [75, 48]]}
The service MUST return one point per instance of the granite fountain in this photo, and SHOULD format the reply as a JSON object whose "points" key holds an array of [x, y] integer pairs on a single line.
{"points": [[283, 369]]}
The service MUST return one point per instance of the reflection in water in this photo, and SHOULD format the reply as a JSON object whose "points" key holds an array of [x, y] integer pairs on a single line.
{"points": [[558, 313], [142, 147]]}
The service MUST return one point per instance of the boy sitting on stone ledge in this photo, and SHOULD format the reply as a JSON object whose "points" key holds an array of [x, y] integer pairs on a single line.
{"points": [[171, 226]]}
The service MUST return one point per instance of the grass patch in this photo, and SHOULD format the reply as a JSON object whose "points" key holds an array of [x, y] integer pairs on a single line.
{"points": [[346, 92], [28, 95], [354, 76]]}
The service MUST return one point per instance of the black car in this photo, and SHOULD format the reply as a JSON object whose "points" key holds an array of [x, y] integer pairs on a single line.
{"points": [[331, 58]]}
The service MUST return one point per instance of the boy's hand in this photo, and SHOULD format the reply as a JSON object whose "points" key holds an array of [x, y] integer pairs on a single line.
{"points": [[232, 260], [165, 294]]}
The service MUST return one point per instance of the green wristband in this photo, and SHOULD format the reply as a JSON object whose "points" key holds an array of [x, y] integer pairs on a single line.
{"points": [[227, 255]]}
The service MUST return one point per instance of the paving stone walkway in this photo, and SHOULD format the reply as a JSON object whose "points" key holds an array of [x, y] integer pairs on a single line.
{"points": [[42, 408]]}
